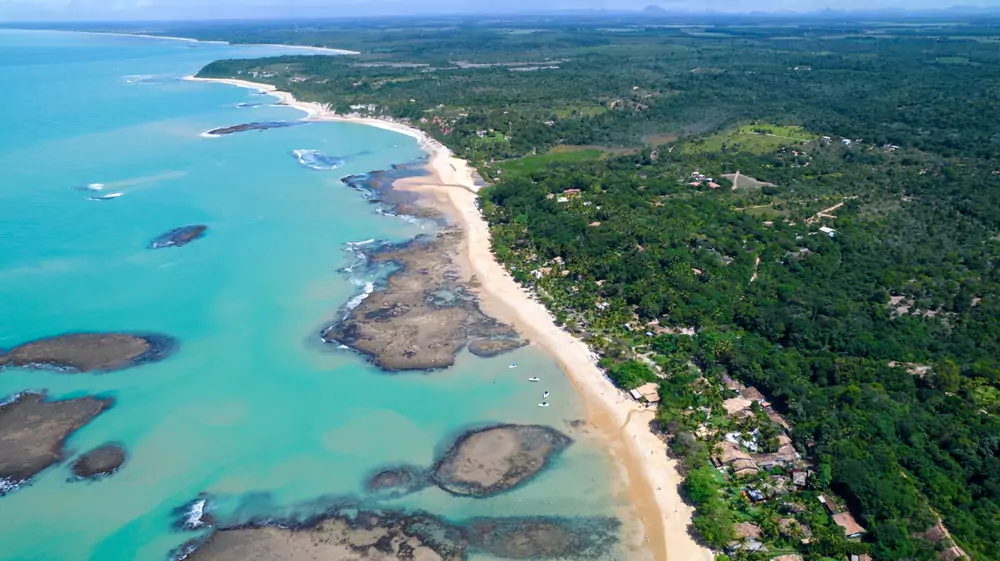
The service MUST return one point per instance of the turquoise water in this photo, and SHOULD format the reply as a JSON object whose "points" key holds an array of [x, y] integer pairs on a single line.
{"points": [[251, 405]]}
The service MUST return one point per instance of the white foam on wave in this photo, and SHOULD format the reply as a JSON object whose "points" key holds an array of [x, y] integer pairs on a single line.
{"points": [[314, 159], [7, 485], [194, 514], [357, 300]]}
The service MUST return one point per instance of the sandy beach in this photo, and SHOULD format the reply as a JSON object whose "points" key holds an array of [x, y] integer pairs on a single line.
{"points": [[652, 477]]}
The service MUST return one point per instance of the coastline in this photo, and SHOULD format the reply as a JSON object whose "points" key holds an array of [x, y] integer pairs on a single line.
{"points": [[209, 42], [652, 476]]}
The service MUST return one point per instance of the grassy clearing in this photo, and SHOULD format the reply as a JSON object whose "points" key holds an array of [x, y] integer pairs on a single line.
{"points": [[766, 211], [756, 139], [952, 60], [530, 164], [579, 111]]}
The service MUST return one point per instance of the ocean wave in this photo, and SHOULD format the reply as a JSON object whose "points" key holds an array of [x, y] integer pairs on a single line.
{"points": [[7, 485], [192, 519], [107, 197], [314, 159], [357, 300]]}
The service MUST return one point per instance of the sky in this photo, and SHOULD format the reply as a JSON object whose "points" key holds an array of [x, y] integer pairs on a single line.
{"points": [[81, 10]]}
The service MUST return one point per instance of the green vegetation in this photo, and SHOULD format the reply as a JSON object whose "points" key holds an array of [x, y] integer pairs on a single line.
{"points": [[878, 341]]}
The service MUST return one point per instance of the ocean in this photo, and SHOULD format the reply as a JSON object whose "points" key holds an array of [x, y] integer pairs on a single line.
{"points": [[252, 410]]}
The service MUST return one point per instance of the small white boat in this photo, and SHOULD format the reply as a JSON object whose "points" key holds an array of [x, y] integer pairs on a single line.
{"points": [[533, 379], [543, 404], [95, 186], [107, 197], [513, 365], [544, 395]]}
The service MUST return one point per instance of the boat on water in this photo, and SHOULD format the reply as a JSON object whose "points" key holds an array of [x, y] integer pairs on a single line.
{"points": [[544, 395], [95, 186], [543, 404], [107, 197], [533, 379], [513, 365]]}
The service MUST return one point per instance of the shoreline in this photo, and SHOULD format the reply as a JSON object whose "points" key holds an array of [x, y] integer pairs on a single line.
{"points": [[190, 40], [652, 476]]}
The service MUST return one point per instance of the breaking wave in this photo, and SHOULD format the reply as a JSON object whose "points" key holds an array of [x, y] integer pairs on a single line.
{"points": [[314, 159]]}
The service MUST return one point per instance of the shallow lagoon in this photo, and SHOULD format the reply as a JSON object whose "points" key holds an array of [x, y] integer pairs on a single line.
{"points": [[252, 409]]}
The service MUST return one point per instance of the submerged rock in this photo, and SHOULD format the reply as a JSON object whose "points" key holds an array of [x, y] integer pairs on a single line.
{"points": [[359, 534], [425, 313], [492, 460], [178, 236], [91, 352], [33, 431], [365, 537], [396, 481], [261, 126], [543, 537], [487, 348], [99, 462]]}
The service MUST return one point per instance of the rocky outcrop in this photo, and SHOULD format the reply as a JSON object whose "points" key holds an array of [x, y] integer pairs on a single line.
{"points": [[246, 127], [178, 236], [33, 432], [90, 352], [396, 481], [492, 460], [349, 533], [99, 462], [424, 315], [367, 536]]}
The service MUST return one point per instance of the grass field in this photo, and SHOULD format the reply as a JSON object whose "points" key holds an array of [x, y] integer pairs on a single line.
{"points": [[529, 164], [756, 139]]}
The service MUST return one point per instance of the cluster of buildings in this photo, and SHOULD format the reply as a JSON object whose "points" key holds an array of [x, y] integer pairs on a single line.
{"points": [[698, 179]]}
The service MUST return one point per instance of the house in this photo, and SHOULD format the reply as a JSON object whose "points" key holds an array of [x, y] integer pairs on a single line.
{"points": [[828, 231], [754, 495], [650, 392], [851, 527], [799, 478], [862, 557], [571, 192], [753, 394], [789, 557], [713, 185], [594, 224], [845, 141], [831, 507], [746, 530]]}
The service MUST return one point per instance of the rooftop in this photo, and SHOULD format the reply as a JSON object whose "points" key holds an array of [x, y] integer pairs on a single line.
{"points": [[849, 524]]}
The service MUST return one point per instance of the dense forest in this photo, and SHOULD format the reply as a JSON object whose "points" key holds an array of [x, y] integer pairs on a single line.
{"points": [[848, 269]]}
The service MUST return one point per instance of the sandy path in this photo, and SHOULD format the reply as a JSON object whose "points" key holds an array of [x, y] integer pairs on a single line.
{"points": [[653, 479]]}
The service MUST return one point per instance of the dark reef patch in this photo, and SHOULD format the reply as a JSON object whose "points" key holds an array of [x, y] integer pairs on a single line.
{"points": [[178, 236], [543, 537], [492, 460], [424, 314], [360, 534], [259, 126], [396, 481], [488, 348], [99, 462], [91, 352], [376, 187], [33, 432]]}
